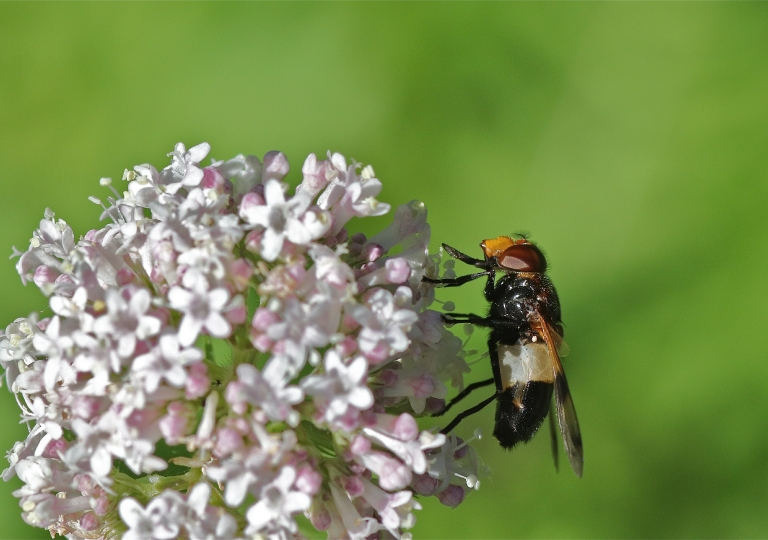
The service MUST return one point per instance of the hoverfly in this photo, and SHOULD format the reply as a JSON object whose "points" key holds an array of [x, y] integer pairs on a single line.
{"points": [[525, 345]]}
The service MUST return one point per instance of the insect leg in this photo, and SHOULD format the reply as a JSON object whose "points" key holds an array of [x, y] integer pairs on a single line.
{"points": [[464, 393], [471, 318], [477, 320], [490, 284], [456, 254], [472, 410], [453, 282]]}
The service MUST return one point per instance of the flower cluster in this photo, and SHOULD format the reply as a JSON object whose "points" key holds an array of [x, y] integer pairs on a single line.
{"points": [[222, 357]]}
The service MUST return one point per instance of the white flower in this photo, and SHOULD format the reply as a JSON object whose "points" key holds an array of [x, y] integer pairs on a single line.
{"points": [[166, 361], [160, 519], [281, 219], [211, 282], [341, 387], [350, 194], [126, 320], [403, 442], [201, 307], [267, 389], [357, 526], [276, 504], [385, 322], [394, 508], [244, 171], [184, 165]]}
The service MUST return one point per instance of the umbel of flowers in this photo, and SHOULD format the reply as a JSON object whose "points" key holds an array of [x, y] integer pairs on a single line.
{"points": [[224, 356]]}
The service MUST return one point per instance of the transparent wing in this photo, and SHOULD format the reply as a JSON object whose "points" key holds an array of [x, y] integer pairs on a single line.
{"points": [[562, 347], [566, 412], [553, 437]]}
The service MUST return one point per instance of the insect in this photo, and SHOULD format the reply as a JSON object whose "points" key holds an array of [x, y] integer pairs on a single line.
{"points": [[525, 345]]}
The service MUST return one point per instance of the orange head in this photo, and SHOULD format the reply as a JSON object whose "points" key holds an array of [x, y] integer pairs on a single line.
{"points": [[516, 255]]}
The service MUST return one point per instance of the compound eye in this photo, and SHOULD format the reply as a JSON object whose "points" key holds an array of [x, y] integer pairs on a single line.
{"points": [[523, 258]]}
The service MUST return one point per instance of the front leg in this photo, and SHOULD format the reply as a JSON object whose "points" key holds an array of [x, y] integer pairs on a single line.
{"points": [[456, 254], [490, 284], [453, 282]]}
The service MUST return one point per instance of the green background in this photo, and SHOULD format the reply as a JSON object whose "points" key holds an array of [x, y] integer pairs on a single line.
{"points": [[628, 138]]}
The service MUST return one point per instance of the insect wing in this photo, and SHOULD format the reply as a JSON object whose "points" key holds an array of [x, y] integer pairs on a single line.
{"points": [[553, 438], [566, 412], [562, 347]]}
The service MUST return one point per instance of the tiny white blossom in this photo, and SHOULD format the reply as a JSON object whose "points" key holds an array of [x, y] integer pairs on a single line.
{"points": [[280, 218], [158, 520], [166, 361], [342, 386], [202, 309], [277, 503], [127, 321], [184, 165]]}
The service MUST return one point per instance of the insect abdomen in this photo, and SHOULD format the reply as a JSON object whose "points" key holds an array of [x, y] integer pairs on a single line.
{"points": [[527, 379], [520, 410]]}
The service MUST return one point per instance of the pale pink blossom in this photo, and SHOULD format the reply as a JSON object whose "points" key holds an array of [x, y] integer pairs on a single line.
{"points": [[232, 357]]}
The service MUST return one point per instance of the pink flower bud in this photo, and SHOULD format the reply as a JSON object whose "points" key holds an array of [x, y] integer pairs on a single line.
{"points": [[434, 405], [451, 496], [55, 448], [393, 474], [398, 270], [253, 241], [378, 354], [308, 480], [237, 315], [44, 275], [126, 276], [275, 166], [388, 377], [174, 425], [101, 505], [235, 396], [228, 441], [64, 278], [297, 272], [422, 386], [261, 342], [360, 445], [349, 324], [241, 271], [264, 318], [460, 451], [372, 252], [320, 517], [250, 200], [156, 275], [197, 383], [314, 176], [354, 486], [404, 427], [347, 346], [212, 179], [423, 484], [89, 522]]}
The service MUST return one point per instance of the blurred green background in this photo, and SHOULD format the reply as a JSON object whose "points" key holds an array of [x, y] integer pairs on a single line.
{"points": [[628, 138]]}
